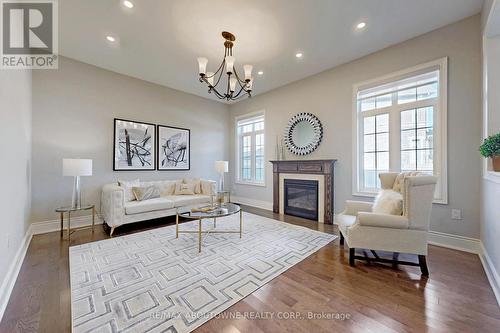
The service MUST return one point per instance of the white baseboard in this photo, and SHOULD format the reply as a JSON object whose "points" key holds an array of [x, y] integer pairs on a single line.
{"points": [[10, 278], [455, 242], [253, 202], [491, 272], [55, 225]]}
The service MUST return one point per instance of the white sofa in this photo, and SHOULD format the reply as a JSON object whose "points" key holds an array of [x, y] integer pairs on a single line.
{"points": [[116, 210]]}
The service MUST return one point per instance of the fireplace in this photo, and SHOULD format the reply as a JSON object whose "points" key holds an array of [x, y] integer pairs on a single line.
{"points": [[301, 198]]}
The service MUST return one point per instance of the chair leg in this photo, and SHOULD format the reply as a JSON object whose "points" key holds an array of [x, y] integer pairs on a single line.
{"points": [[341, 238], [423, 265], [352, 253]]}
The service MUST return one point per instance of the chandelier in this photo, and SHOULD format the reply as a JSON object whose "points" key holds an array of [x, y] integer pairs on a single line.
{"points": [[235, 87]]}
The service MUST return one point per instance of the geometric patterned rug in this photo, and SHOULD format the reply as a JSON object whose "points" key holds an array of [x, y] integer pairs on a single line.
{"points": [[152, 282]]}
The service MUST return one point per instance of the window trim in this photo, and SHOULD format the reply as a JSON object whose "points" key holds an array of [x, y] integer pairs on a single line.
{"points": [[237, 179], [441, 142]]}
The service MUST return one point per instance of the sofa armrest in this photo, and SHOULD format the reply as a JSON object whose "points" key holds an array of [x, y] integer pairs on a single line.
{"points": [[113, 204], [354, 207], [382, 220]]}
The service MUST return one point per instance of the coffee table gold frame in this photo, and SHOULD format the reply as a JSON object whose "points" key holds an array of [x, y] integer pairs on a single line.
{"points": [[200, 231]]}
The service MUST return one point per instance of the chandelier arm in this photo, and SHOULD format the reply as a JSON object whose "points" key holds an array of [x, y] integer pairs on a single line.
{"points": [[240, 80], [218, 94], [238, 94], [242, 95], [220, 74]]}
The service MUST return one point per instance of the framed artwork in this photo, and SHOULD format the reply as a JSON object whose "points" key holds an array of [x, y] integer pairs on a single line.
{"points": [[174, 148], [134, 146]]}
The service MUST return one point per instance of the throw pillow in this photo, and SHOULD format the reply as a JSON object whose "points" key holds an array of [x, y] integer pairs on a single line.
{"points": [[196, 182], [184, 189], [145, 193], [208, 187], [127, 187], [388, 202]]}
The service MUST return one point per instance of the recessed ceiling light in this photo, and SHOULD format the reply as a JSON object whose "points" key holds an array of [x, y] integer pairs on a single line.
{"points": [[260, 72], [361, 25], [128, 4], [111, 39], [298, 55]]}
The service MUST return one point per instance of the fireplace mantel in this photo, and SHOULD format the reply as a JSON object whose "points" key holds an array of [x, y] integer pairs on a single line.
{"points": [[304, 167]]}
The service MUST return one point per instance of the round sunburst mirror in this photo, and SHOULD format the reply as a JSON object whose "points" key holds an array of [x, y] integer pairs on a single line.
{"points": [[303, 133]]}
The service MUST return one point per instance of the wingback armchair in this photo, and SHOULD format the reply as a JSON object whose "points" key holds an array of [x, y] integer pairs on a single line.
{"points": [[361, 228]]}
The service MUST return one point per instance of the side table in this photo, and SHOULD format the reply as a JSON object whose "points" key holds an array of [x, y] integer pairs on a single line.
{"points": [[68, 210]]}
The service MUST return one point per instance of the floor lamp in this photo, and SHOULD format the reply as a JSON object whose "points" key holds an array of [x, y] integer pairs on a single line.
{"points": [[77, 168]]}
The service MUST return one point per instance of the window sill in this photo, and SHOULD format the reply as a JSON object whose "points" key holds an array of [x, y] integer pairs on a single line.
{"points": [[239, 182]]}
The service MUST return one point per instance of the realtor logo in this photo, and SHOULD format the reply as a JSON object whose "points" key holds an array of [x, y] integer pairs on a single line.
{"points": [[29, 34]]}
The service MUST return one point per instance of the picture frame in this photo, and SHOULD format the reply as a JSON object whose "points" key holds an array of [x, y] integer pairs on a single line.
{"points": [[173, 148], [134, 145]]}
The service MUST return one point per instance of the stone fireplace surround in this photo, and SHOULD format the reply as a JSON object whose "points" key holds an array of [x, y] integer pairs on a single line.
{"points": [[320, 170]]}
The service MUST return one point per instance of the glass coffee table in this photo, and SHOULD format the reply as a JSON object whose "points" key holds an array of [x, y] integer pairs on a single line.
{"points": [[217, 212]]}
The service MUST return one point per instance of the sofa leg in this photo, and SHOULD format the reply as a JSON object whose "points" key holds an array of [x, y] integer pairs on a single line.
{"points": [[111, 232], [422, 261], [341, 238], [352, 253]]}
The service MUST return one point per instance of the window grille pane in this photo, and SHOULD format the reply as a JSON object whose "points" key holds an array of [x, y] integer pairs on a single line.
{"points": [[425, 117], [369, 161], [369, 143], [369, 125], [407, 119], [383, 142], [382, 123], [408, 161], [383, 161], [368, 104], [383, 101], [252, 148], [425, 138], [408, 140], [407, 96], [370, 179], [259, 126], [425, 160], [428, 91]]}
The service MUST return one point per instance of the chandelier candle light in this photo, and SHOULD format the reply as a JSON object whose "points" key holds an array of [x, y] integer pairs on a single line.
{"points": [[235, 87]]}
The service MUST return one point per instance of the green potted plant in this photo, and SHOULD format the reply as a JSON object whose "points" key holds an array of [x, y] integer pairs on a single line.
{"points": [[491, 148]]}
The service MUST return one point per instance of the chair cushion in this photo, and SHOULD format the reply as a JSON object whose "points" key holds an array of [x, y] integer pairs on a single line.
{"points": [[187, 200], [388, 202], [137, 207], [344, 221]]}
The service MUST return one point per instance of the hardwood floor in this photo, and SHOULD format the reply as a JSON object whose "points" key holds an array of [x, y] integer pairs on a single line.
{"points": [[374, 298]]}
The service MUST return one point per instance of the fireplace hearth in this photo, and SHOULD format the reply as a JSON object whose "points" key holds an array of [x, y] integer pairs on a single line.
{"points": [[301, 198]]}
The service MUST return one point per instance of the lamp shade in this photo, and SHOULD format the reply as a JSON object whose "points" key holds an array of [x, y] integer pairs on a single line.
{"points": [[222, 166], [77, 167]]}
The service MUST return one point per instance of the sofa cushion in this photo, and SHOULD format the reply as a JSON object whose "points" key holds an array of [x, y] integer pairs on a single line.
{"points": [[187, 200], [137, 207], [166, 187]]}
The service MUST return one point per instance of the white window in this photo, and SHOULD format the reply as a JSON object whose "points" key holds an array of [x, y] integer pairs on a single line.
{"points": [[400, 123], [250, 149]]}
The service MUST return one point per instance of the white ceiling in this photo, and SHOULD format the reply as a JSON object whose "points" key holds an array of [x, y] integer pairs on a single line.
{"points": [[159, 40]]}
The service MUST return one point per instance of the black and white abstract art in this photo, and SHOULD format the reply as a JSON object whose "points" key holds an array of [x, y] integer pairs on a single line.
{"points": [[173, 148], [134, 146]]}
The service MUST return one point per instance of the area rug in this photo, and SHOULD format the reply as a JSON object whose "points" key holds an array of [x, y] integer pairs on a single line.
{"points": [[153, 282]]}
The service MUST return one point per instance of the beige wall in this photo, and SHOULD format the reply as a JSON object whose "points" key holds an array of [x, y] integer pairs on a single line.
{"points": [[328, 95], [73, 111], [15, 145]]}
